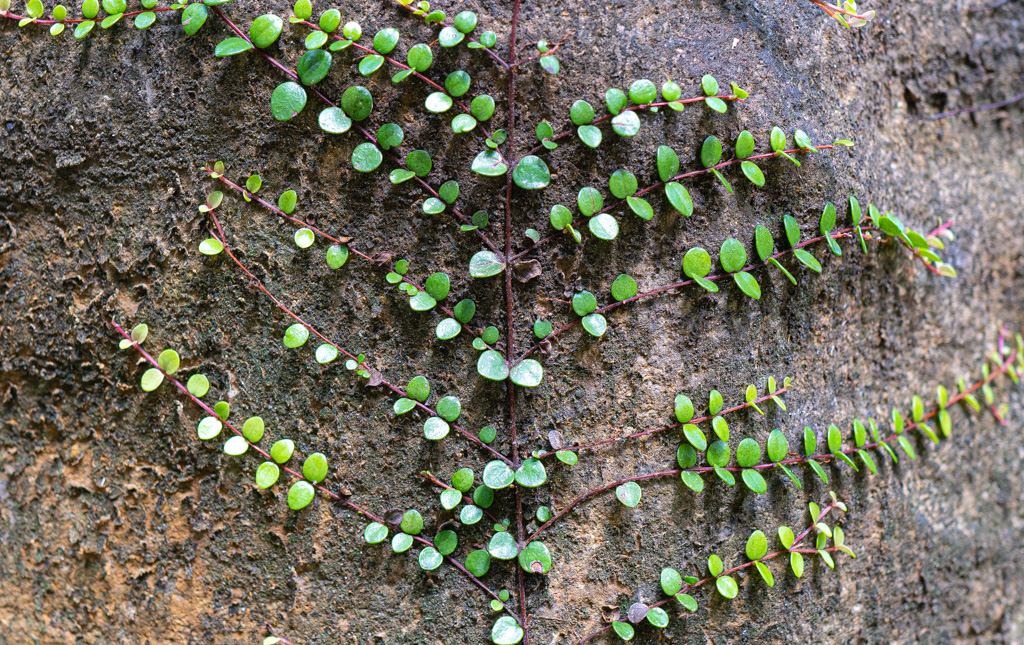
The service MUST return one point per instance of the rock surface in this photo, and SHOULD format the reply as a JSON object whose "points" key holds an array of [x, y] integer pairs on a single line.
{"points": [[118, 525]]}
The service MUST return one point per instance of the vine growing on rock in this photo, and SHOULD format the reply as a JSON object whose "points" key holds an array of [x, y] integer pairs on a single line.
{"points": [[495, 496]]}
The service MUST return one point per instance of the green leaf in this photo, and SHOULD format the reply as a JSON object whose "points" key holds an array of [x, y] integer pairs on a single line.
{"points": [[336, 256], [295, 336], [657, 617], [228, 46], [313, 66], [589, 201], [531, 173], [753, 173], [642, 92], [766, 573], [193, 17], [198, 385], [626, 124], [535, 558], [583, 303], [482, 107], [695, 436], [253, 429], [385, 40], [235, 446], [624, 288], [491, 365], [623, 630], [732, 255], [796, 561], [615, 99], [640, 207], [567, 457], [438, 102], [528, 373], [581, 113], [709, 84], [502, 546], [478, 562], [778, 446], [744, 145], [807, 260], [679, 197], [671, 581], [287, 100], [449, 408], [763, 242], [693, 481], [748, 453], [590, 135], [315, 467], [430, 559], [282, 450], [757, 546], [267, 474], [418, 388], [595, 324], [711, 152], [304, 238], [683, 408], [489, 163], [629, 494], [506, 631], [818, 470], [412, 522], [748, 284], [450, 37], [622, 183], [754, 481], [727, 586], [497, 475], [209, 427], [265, 30], [485, 264], [370, 64], [366, 157], [447, 329], [470, 514], [687, 601], [300, 495], [604, 226], [375, 533], [721, 428], [668, 163], [357, 102], [420, 57]]}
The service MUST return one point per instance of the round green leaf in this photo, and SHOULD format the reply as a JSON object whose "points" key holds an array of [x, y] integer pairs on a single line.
{"points": [[683, 408], [622, 183], [478, 562], [315, 467], [502, 546], [629, 494], [531, 473], [465, 21], [374, 533], [304, 238], [626, 124], [385, 40], [778, 447], [748, 453], [169, 361], [732, 255], [679, 197], [668, 163], [623, 288], [313, 66], [445, 542], [482, 107], [718, 454], [435, 428], [757, 545], [226, 47], [357, 102], [531, 173], [671, 581], [754, 481], [438, 102], [457, 83], [267, 474], [253, 429], [658, 617], [506, 631], [744, 145], [711, 151], [470, 514], [528, 373], [420, 57], [300, 495], [209, 427], [581, 113], [295, 336], [498, 475], [489, 163], [430, 559], [401, 542], [192, 18], [642, 92], [198, 385], [590, 135], [287, 100], [727, 586], [686, 456], [535, 558], [595, 324], [753, 173], [697, 263], [604, 226], [412, 522], [623, 630]]}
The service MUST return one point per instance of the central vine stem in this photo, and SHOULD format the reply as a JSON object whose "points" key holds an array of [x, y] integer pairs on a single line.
{"points": [[509, 309]]}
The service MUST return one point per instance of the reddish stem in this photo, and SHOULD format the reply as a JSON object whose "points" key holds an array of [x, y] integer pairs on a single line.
{"points": [[447, 23], [823, 457]]}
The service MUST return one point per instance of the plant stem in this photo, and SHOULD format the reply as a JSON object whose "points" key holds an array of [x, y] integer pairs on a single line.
{"points": [[642, 191], [447, 23], [222, 238], [822, 457], [465, 498], [637, 435], [323, 489], [510, 309], [839, 234]]}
